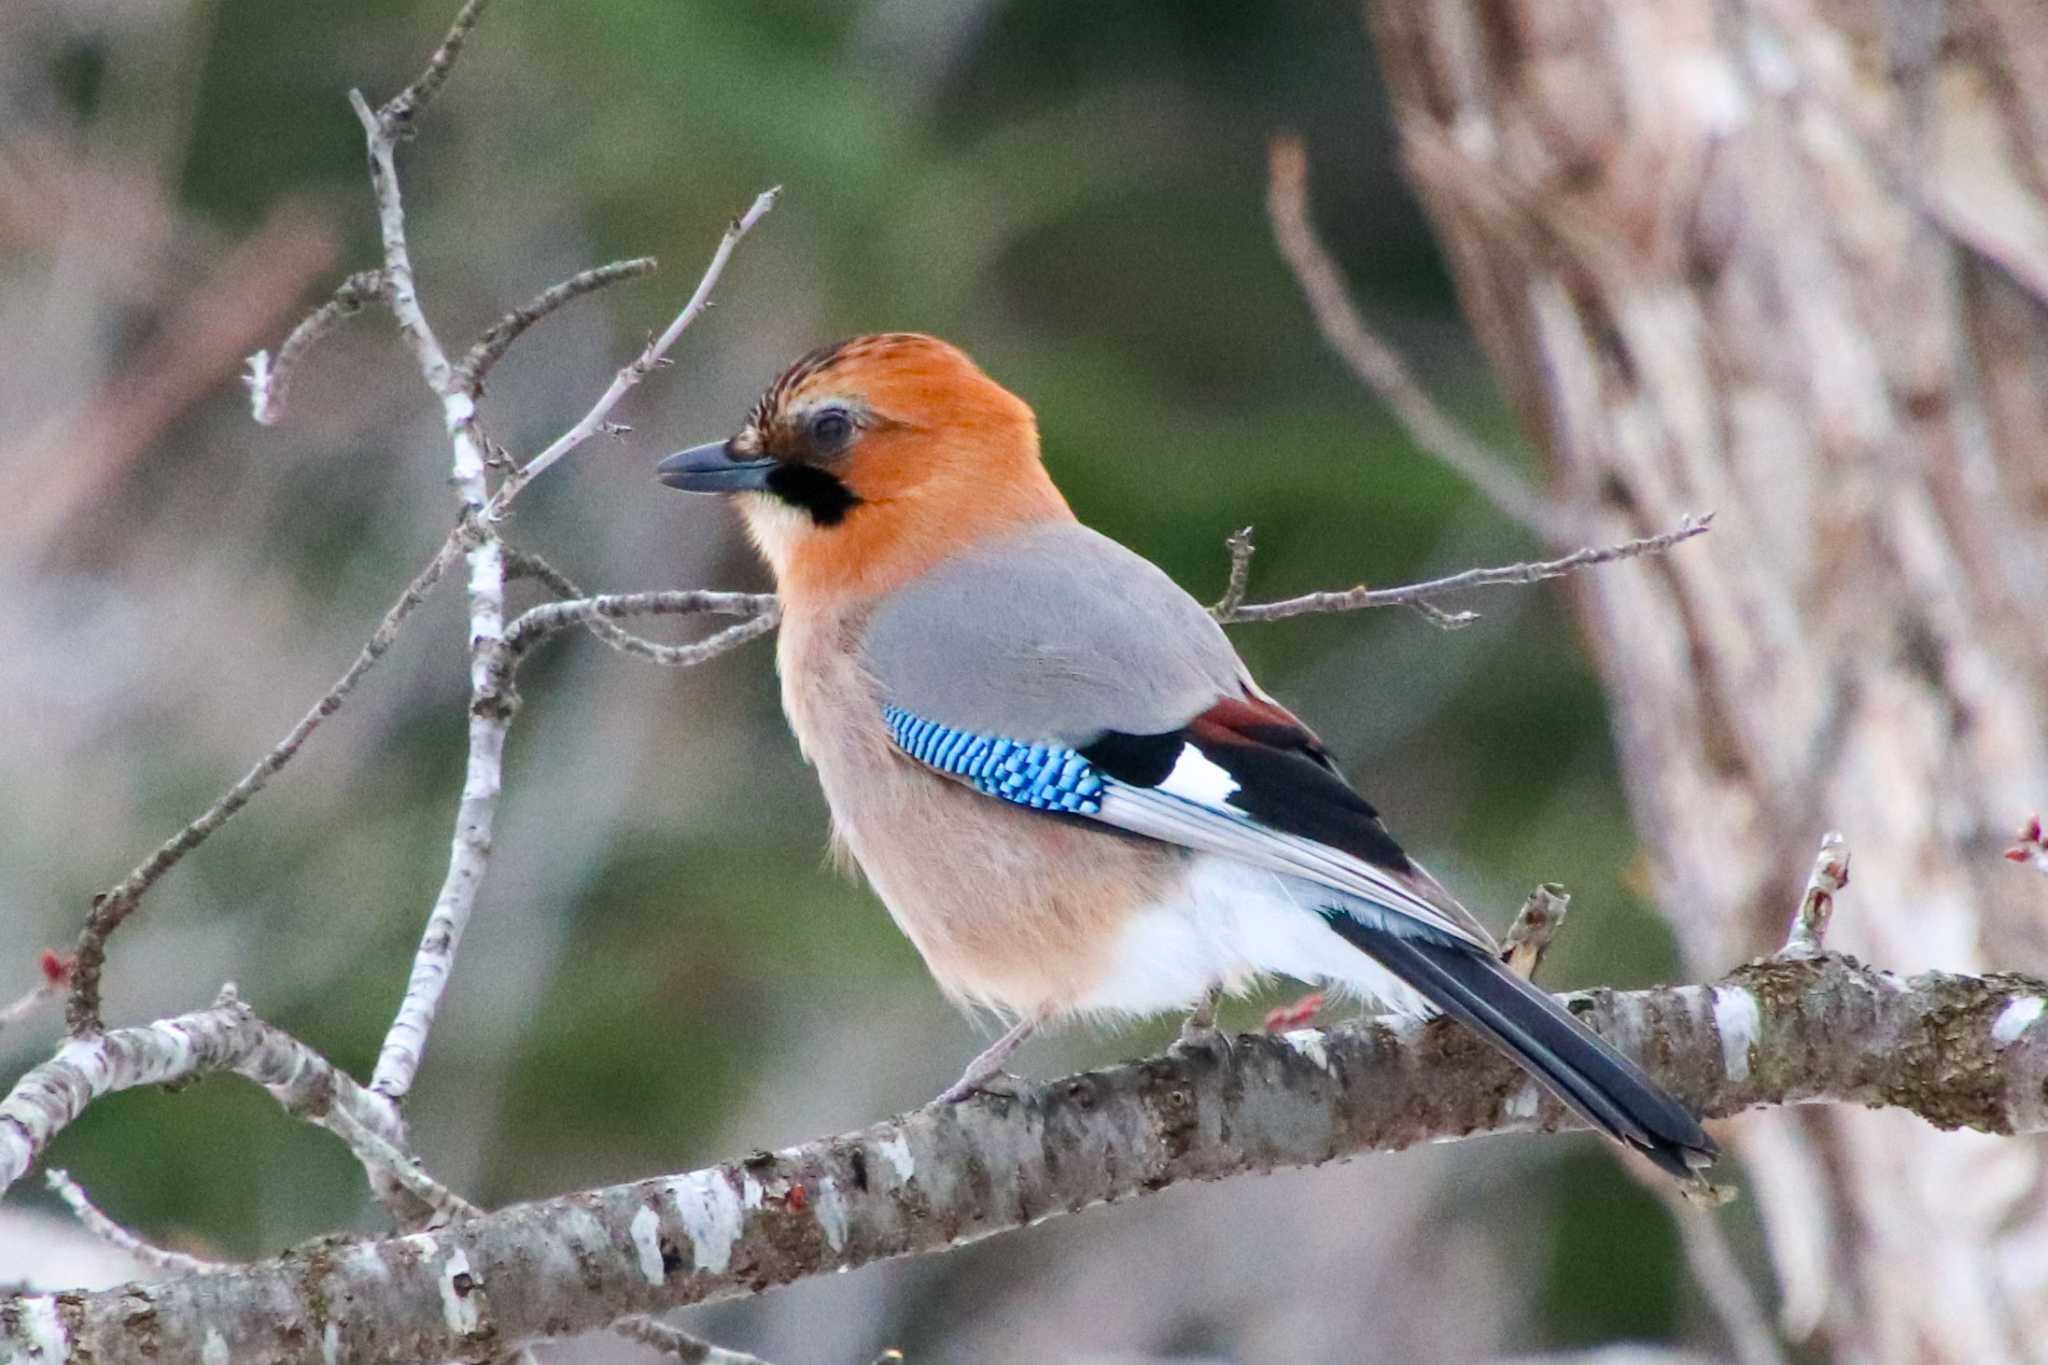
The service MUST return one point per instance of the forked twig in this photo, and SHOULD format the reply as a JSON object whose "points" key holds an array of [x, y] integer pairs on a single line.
{"points": [[652, 355]]}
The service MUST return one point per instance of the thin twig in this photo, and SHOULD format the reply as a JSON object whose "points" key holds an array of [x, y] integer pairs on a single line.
{"points": [[1541, 916], [1817, 906], [121, 1239], [594, 420], [56, 971], [1413, 594], [380, 1157], [761, 612], [680, 1344], [115, 904], [592, 613], [269, 379], [492, 345], [1239, 544], [1717, 1272], [408, 103], [1378, 365]]}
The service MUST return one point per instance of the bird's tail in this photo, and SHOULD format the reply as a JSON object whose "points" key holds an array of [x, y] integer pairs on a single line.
{"points": [[1599, 1084]]}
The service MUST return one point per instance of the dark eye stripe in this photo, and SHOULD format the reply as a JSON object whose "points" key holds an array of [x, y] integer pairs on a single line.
{"points": [[815, 490]]}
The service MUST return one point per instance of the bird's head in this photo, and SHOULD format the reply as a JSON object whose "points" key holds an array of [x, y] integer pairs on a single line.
{"points": [[868, 461]]}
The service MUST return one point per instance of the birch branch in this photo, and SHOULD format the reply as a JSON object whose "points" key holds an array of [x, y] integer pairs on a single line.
{"points": [[121, 1239], [1960, 1051], [470, 845], [226, 1037]]}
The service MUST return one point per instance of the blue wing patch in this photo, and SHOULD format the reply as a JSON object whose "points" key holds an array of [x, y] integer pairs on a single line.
{"points": [[1041, 776]]}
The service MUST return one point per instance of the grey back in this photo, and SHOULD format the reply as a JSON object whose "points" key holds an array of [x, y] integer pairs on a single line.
{"points": [[1055, 634]]}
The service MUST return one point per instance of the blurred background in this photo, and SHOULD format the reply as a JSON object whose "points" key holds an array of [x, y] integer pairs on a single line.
{"points": [[662, 971]]}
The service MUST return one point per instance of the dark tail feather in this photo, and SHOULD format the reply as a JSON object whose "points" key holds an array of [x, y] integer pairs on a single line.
{"points": [[1596, 1082]]}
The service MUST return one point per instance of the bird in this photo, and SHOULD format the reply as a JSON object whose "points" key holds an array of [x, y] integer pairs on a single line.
{"points": [[1050, 763]]}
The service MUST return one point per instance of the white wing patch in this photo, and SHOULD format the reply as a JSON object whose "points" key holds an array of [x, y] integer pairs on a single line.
{"points": [[1196, 778]]}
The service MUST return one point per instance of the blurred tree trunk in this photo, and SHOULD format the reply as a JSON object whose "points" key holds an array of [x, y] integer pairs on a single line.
{"points": [[1786, 262]]}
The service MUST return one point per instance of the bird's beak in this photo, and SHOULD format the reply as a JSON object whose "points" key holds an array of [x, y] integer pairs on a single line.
{"points": [[711, 468]]}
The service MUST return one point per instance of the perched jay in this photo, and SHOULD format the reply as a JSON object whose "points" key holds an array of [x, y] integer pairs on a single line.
{"points": [[1051, 764]]}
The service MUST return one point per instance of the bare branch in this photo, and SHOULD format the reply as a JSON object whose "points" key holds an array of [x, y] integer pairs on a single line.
{"points": [[680, 1344], [1536, 924], [1717, 1272], [761, 612], [1239, 544], [56, 972], [399, 289], [1420, 594], [493, 344], [1379, 366], [490, 712], [381, 1158], [226, 1036], [1817, 906], [115, 904], [395, 118], [1770, 1033], [594, 420], [595, 615], [269, 379], [120, 1238]]}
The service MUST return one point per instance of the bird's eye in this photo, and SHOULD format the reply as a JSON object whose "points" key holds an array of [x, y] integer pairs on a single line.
{"points": [[831, 428]]}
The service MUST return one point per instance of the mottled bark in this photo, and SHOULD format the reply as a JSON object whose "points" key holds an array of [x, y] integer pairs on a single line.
{"points": [[1956, 1050], [1785, 262]]}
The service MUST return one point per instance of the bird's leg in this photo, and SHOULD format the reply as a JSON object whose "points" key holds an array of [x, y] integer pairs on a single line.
{"points": [[1198, 1030], [989, 1064]]}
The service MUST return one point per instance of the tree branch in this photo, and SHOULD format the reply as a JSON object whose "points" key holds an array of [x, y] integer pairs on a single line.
{"points": [[1378, 365], [121, 1239], [268, 379], [761, 613], [492, 345], [115, 904], [226, 1037], [1421, 594], [1959, 1051], [470, 846], [655, 354]]}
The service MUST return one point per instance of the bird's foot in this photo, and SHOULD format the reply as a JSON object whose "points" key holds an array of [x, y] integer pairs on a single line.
{"points": [[1198, 1032], [989, 1066], [1003, 1085]]}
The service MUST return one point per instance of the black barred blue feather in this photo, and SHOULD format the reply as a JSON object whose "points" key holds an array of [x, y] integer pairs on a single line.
{"points": [[1041, 776]]}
